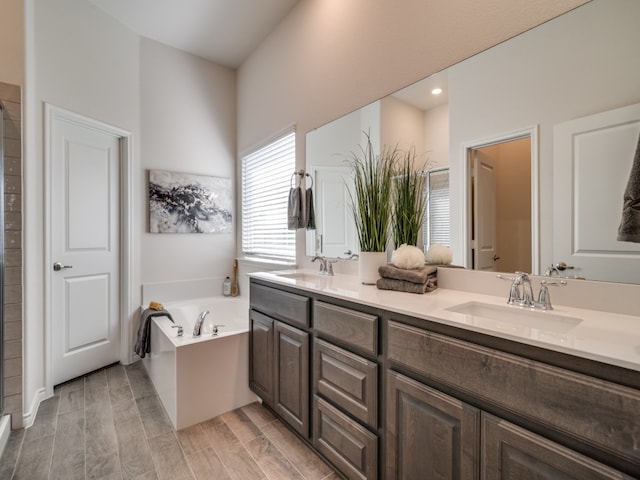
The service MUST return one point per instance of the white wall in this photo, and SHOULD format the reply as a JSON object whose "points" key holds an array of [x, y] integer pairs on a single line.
{"points": [[187, 125], [436, 122], [181, 112], [329, 57], [79, 59], [402, 125], [557, 71]]}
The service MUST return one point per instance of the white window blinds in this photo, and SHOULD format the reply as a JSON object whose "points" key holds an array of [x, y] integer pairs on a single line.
{"points": [[436, 223], [265, 191]]}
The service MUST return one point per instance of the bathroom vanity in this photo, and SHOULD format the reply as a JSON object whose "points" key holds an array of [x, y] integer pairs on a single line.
{"points": [[392, 385]]}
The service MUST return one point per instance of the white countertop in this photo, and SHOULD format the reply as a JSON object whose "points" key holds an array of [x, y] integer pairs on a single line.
{"points": [[605, 337]]}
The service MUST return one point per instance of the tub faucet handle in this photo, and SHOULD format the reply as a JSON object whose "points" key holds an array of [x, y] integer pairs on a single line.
{"points": [[215, 329], [180, 329]]}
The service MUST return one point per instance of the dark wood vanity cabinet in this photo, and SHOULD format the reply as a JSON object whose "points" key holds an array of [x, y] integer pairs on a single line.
{"points": [[279, 353], [381, 395], [465, 441]]}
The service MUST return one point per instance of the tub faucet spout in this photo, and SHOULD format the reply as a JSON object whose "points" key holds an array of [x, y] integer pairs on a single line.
{"points": [[197, 328]]}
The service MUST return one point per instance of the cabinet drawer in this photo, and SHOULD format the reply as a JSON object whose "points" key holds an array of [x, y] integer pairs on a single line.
{"points": [[285, 306], [349, 327], [594, 411], [349, 446], [348, 380]]}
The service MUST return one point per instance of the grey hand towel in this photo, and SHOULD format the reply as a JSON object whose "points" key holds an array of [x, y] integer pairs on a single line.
{"points": [[629, 229], [403, 286], [294, 208], [143, 342], [416, 275], [311, 214]]}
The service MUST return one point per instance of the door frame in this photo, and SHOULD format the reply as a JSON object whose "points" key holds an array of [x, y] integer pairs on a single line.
{"points": [[52, 113], [531, 132]]}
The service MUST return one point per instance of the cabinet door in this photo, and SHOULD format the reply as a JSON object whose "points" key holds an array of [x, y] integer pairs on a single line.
{"points": [[261, 356], [509, 451], [430, 434], [291, 395]]}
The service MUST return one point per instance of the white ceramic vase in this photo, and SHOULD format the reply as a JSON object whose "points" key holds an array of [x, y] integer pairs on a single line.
{"points": [[368, 264]]}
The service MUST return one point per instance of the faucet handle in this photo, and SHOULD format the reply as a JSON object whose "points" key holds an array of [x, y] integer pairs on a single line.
{"points": [[214, 332], [544, 299], [514, 291], [330, 266], [180, 329]]}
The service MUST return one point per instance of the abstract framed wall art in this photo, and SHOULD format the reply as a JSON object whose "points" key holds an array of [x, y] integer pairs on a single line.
{"points": [[187, 203]]}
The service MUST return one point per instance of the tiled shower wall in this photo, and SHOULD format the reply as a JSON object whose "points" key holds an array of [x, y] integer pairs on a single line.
{"points": [[11, 101]]}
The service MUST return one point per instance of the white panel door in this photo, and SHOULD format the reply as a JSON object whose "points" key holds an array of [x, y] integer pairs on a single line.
{"points": [[485, 214], [335, 221], [85, 319], [592, 159]]}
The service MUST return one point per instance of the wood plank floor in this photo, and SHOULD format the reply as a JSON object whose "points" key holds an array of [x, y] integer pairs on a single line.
{"points": [[110, 424]]}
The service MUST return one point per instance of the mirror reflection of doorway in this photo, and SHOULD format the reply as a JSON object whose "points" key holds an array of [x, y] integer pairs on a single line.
{"points": [[500, 210]]}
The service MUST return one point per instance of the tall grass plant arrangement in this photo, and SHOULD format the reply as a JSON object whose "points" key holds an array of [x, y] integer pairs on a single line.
{"points": [[409, 201], [371, 198]]}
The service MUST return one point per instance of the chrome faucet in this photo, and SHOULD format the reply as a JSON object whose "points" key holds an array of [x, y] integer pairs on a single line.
{"points": [[521, 291], [197, 328], [323, 264], [351, 256], [556, 269], [551, 271], [326, 265]]}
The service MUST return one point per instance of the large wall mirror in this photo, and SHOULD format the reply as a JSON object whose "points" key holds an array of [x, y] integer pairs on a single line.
{"points": [[554, 111]]}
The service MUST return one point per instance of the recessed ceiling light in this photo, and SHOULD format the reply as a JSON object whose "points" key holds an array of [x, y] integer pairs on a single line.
{"points": [[436, 91]]}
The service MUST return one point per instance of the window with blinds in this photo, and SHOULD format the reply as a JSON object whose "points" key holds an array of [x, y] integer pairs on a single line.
{"points": [[436, 226], [265, 192]]}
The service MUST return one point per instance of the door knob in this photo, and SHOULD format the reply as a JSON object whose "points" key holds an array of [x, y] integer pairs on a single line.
{"points": [[58, 266]]}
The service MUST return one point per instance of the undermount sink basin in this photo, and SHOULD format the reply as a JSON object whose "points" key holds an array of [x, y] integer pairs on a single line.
{"points": [[517, 316]]}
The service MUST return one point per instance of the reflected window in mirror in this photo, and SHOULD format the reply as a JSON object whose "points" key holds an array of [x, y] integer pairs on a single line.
{"points": [[436, 225]]}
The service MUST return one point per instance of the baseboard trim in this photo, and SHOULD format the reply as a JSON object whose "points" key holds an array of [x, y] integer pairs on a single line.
{"points": [[30, 416]]}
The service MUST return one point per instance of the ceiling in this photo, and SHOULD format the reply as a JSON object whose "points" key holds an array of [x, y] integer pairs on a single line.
{"points": [[222, 31]]}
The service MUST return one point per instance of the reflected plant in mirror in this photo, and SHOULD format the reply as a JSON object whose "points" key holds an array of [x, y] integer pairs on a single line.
{"points": [[409, 201]]}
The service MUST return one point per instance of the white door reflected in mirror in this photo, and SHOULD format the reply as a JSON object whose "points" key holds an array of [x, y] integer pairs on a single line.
{"points": [[335, 234]]}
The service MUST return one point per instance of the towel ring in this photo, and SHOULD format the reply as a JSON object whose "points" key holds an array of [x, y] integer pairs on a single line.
{"points": [[301, 174]]}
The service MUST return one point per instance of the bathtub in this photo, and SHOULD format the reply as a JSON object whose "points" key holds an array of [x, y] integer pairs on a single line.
{"points": [[198, 378]]}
